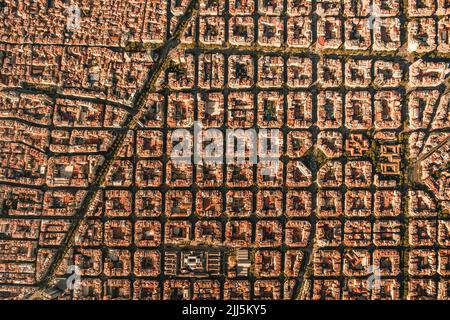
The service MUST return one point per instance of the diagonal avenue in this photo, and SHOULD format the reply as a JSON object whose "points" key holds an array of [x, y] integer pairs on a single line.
{"points": [[130, 123]]}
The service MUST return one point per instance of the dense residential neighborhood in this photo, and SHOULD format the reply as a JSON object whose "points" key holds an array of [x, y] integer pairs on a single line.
{"points": [[333, 167]]}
